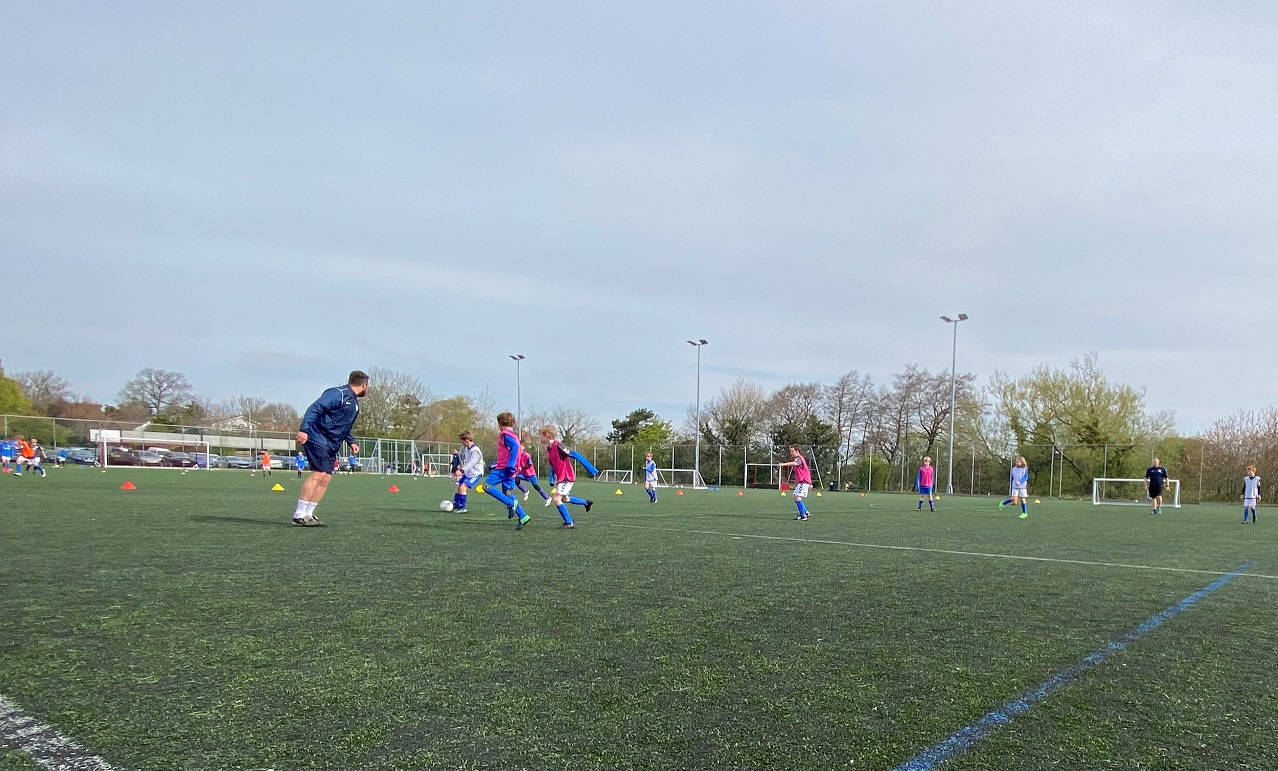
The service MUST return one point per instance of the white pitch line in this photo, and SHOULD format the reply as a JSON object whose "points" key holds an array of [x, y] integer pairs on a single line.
{"points": [[42, 742], [941, 551]]}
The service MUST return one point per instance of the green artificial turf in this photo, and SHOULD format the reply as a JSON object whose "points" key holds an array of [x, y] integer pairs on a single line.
{"points": [[188, 624]]}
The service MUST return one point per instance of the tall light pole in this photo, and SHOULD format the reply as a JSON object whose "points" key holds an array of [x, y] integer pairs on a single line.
{"points": [[519, 397], [696, 453], [949, 480]]}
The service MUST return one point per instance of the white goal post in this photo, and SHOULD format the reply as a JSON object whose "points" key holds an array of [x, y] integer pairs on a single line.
{"points": [[1130, 492], [680, 477], [618, 476]]}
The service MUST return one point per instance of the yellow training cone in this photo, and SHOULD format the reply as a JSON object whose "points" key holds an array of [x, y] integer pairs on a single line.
{"points": [[279, 488], [818, 493], [479, 488], [618, 491], [1037, 500]]}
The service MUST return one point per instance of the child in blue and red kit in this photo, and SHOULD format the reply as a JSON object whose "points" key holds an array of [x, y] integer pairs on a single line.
{"points": [[526, 471], [924, 481], [562, 475], [802, 480], [502, 476]]}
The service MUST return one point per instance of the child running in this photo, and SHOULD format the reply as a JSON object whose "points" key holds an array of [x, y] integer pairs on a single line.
{"points": [[467, 467], [1251, 494], [26, 455], [562, 474], [1020, 486], [526, 471], [650, 476], [802, 480], [502, 476], [299, 463], [924, 481]]}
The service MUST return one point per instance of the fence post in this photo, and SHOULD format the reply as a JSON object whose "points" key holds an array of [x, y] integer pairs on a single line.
{"points": [[718, 477], [1202, 451]]}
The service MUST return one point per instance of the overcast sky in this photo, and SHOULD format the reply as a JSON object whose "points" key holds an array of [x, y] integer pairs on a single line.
{"points": [[266, 195]]}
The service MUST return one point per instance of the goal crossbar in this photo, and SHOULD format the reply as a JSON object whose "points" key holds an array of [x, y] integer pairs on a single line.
{"points": [[1135, 495], [619, 476], [680, 477]]}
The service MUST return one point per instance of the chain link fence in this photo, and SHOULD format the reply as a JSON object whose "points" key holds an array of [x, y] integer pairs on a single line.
{"points": [[1207, 471]]}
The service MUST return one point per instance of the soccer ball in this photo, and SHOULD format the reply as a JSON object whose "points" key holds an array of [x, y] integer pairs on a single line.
{"points": [[445, 505]]}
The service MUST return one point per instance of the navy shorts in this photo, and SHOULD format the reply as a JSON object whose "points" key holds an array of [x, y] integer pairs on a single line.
{"points": [[500, 478], [319, 457], [925, 489]]}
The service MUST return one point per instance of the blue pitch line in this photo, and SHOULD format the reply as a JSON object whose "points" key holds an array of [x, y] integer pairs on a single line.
{"points": [[967, 738]]}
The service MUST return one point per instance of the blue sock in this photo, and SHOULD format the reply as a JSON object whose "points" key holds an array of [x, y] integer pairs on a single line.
{"points": [[563, 512], [803, 510], [931, 505], [541, 492], [653, 495], [501, 496], [576, 501], [1024, 508], [920, 505], [1006, 501]]}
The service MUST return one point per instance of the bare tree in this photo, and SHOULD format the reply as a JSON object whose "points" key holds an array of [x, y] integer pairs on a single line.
{"points": [[45, 390], [846, 404], [156, 389], [932, 404], [794, 403], [738, 415], [574, 424], [393, 407]]}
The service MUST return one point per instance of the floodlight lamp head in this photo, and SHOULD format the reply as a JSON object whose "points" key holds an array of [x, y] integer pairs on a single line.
{"points": [[947, 319], [699, 342], [518, 356], [962, 317]]}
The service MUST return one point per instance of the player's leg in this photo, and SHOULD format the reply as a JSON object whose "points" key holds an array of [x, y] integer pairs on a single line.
{"points": [[534, 482], [1024, 504], [800, 492], [931, 500], [493, 486]]}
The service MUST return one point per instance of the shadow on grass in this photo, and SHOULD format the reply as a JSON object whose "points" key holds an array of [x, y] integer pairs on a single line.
{"points": [[240, 520]]}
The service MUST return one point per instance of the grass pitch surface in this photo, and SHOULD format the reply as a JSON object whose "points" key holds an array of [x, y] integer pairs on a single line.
{"points": [[188, 624]]}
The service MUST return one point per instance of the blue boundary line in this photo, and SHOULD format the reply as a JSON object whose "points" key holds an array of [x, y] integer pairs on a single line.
{"points": [[966, 738]]}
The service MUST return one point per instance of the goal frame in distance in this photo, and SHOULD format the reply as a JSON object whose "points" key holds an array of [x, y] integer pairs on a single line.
{"points": [[665, 478], [1098, 482], [619, 476]]}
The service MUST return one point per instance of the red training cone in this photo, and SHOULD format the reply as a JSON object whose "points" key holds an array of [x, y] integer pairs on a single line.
{"points": [[678, 492], [740, 493], [128, 486], [394, 489]]}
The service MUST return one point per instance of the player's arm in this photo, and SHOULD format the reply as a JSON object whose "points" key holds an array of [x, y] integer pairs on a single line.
{"points": [[512, 445], [313, 413], [587, 465]]}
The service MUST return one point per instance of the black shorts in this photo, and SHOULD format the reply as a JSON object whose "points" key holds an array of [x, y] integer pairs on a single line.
{"points": [[319, 457], [1154, 492]]}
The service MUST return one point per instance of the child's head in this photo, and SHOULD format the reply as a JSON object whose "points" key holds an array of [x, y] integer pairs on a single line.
{"points": [[506, 420], [927, 460], [648, 456], [548, 434], [794, 451], [466, 438], [1252, 469], [1020, 461]]}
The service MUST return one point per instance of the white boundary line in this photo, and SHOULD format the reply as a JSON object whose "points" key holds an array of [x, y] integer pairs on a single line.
{"points": [[43, 744], [940, 551]]}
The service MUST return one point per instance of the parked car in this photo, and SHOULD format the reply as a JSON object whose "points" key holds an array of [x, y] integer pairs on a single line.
{"points": [[82, 457], [236, 461], [178, 460], [121, 456], [205, 461], [150, 458]]}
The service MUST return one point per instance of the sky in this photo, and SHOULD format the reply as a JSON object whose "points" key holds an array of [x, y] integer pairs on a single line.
{"points": [[264, 196]]}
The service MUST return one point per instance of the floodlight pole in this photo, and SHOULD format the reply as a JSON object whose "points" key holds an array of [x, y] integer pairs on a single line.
{"points": [[519, 397], [696, 452], [949, 480]]}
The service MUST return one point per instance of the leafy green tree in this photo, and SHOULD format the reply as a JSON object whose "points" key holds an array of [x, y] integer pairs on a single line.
{"points": [[12, 400], [626, 429], [655, 433]]}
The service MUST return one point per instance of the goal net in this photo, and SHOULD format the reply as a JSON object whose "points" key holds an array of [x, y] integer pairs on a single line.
{"points": [[1131, 492], [767, 475], [619, 476], [115, 451], [680, 477]]}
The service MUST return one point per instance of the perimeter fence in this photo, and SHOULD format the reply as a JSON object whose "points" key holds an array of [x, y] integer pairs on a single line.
{"points": [[1207, 471]]}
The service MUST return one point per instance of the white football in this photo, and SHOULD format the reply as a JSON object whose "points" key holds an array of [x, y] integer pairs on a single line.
{"points": [[445, 505]]}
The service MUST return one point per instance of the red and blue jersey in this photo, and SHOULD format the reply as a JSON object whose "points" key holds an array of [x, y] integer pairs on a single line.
{"points": [[508, 450], [926, 477], [560, 462], [802, 472]]}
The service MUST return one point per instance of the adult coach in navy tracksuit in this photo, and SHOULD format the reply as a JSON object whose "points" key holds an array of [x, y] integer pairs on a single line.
{"points": [[326, 424]]}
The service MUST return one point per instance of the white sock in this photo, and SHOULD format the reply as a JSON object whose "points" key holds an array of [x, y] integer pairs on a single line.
{"points": [[300, 511], [310, 507]]}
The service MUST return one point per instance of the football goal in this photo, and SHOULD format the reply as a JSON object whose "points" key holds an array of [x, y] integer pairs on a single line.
{"points": [[1130, 492], [767, 475], [618, 476], [680, 477]]}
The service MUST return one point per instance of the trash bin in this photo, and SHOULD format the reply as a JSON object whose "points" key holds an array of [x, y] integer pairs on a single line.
{"points": [[833, 486]]}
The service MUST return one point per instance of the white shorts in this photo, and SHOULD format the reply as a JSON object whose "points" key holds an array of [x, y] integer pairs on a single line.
{"points": [[1020, 492], [649, 483], [1249, 503], [564, 488], [802, 489]]}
